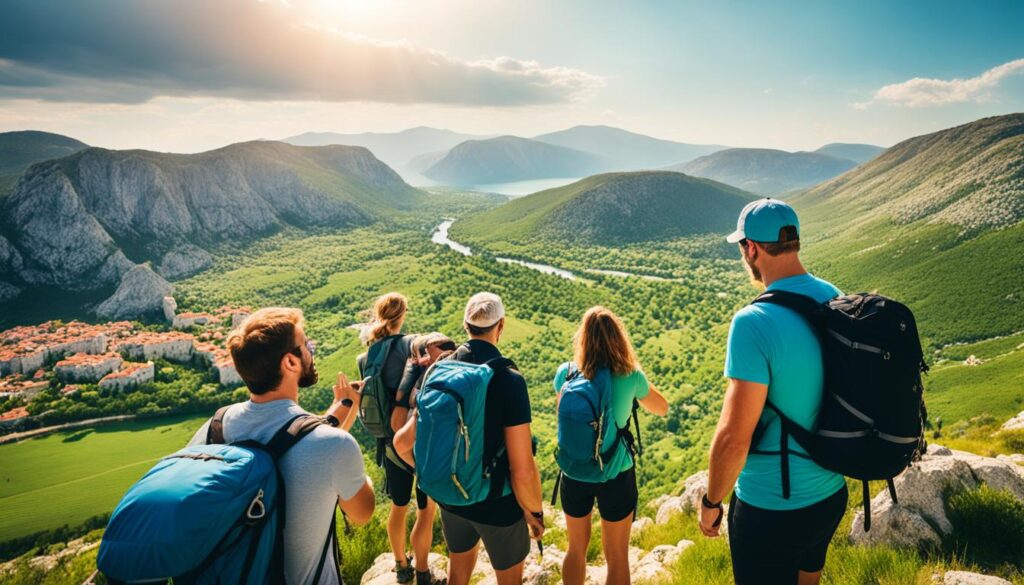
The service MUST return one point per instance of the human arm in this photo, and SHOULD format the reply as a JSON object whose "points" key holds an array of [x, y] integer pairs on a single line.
{"points": [[648, 396], [741, 410], [344, 389], [525, 476], [400, 413], [405, 439], [354, 487]]}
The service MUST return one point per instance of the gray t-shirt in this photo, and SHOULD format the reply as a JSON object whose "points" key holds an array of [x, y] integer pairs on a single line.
{"points": [[321, 468]]}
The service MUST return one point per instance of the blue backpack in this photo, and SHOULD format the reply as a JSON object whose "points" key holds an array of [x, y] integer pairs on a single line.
{"points": [[449, 448], [589, 441], [208, 514]]}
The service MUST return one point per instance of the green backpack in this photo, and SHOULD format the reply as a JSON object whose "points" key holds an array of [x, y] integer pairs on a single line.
{"points": [[377, 400]]}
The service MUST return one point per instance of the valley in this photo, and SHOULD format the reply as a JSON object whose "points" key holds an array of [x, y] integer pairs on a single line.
{"points": [[648, 245]]}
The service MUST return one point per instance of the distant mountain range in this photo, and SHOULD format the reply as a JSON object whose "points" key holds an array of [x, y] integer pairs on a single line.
{"points": [[611, 209], [858, 153], [396, 149], [627, 151], [19, 150], [415, 152], [766, 171], [83, 221], [936, 221], [510, 158]]}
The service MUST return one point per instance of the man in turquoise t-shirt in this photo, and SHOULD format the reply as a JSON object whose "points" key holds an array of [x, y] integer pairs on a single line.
{"points": [[772, 354]]}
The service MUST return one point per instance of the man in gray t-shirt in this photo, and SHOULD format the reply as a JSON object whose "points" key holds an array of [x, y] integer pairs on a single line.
{"points": [[322, 471]]}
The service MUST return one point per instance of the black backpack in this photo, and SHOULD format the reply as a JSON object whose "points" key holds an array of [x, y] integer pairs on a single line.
{"points": [[872, 417]]}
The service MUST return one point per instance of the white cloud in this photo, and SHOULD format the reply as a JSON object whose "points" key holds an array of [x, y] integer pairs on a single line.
{"points": [[128, 52], [921, 92]]}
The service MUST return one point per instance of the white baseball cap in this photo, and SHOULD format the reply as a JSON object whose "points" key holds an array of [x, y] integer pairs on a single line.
{"points": [[484, 310]]}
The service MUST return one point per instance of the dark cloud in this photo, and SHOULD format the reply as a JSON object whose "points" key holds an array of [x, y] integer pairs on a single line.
{"points": [[128, 51]]}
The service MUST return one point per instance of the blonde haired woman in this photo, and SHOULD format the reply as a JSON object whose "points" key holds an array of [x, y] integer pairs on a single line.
{"points": [[602, 343], [386, 357]]}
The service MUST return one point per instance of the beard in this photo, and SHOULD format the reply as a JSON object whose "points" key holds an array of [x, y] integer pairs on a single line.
{"points": [[309, 376], [753, 272]]}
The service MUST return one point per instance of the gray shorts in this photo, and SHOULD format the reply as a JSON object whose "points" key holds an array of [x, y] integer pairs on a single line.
{"points": [[507, 546]]}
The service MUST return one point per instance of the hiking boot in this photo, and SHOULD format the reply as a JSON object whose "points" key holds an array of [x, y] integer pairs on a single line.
{"points": [[427, 578], [405, 574]]}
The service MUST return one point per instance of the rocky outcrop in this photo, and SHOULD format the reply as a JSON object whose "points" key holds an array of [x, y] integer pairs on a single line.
{"points": [[1014, 424], [140, 294], [184, 261], [966, 578], [687, 502], [69, 219], [920, 520]]}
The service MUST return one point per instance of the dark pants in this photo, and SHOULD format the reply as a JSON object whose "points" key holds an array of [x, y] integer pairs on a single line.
{"points": [[770, 547]]}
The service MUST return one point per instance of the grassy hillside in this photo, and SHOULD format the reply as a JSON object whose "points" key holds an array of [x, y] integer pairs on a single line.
{"points": [[87, 471], [766, 171], [859, 153], [510, 158], [933, 221], [609, 209]]}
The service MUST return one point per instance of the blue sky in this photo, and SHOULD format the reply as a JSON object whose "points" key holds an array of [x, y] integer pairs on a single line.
{"points": [[189, 75]]}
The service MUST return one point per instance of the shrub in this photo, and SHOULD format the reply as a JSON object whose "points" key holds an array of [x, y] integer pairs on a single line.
{"points": [[988, 527]]}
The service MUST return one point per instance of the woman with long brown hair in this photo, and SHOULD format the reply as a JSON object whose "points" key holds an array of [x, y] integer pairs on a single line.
{"points": [[387, 357], [603, 354]]}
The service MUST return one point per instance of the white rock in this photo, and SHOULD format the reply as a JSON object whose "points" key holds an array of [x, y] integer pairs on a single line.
{"points": [[966, 578], [140, 294], [693, 488], [920, 517], [671, 507], [641, 524], [1015, 423], [382, 572], [1017, 458], [169, 307]]}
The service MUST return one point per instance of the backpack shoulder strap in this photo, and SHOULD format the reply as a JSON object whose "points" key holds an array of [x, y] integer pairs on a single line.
{"points": [[501, 362], [215, 430], [292, 432], [801, 304], [382, 354]]}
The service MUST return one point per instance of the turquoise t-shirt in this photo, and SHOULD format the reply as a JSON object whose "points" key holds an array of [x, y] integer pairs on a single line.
{"points": [[624, 390], [772, 345]]}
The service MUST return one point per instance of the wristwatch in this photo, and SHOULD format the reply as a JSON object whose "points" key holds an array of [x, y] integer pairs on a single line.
{"points": [[333, 420], [704, 501]]}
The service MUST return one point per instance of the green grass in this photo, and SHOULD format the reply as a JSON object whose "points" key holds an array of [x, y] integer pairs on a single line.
{"points": [[958, 392], [67, 477]]}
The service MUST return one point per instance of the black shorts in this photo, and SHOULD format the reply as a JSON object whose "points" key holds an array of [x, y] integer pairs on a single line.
{"points": [[398, 485], [616, 498], [507, 546], [770, 547]]}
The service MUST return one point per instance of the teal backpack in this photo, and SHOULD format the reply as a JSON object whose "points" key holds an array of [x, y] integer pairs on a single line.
{"points": [[589, 441], [449, 447], [377, 401]]}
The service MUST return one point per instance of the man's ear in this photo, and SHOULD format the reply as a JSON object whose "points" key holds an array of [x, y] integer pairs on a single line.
{"points": [[291, 363]]}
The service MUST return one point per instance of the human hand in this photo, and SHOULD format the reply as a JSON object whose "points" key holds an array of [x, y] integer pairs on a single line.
{"points": [[535, 524], [343, 388], [710, 519]]}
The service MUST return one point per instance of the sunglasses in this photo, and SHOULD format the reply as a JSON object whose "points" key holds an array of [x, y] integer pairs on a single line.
{"points": [[310, 347]]}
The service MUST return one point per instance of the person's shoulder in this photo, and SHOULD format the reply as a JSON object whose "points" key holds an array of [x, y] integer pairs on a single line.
{"points": [[751, 315], [330, 438]]}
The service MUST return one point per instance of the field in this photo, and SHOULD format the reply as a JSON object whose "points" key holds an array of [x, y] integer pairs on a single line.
{"points": [[66, 477]]}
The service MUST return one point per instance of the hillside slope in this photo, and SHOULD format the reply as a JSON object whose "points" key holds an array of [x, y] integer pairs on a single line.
{"points": [[612, 208], [510, 158], [858, 153], [19, 150], [764, 170], [81, 222], [624, 150], [936, 221]]}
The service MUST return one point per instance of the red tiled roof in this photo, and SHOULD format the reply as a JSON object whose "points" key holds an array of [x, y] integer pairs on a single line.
{"points": [[14, 413]]}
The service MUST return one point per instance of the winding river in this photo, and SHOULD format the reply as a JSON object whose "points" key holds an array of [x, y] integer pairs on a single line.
{"points": [[440, 236]]}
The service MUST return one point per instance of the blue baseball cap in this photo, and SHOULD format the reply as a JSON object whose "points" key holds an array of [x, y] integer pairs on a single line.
{"points": [[761, 220]]}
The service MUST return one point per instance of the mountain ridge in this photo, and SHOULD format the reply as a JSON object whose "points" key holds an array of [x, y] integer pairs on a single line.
{"points": [[766, 171], [510, 158]]}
